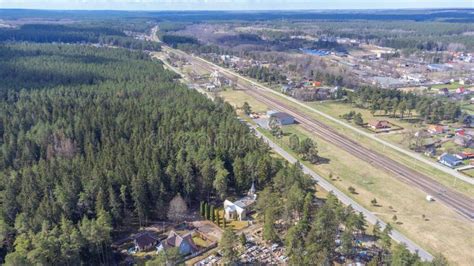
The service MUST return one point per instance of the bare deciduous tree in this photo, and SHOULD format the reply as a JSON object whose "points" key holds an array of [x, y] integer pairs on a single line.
{"points": [[177, 209]]}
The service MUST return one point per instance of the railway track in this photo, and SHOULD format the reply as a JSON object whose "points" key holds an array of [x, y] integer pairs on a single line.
{"points": [[456, 201]]}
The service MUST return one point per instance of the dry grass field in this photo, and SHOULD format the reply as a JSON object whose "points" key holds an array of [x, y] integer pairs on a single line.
{"points": [[432, 225]]}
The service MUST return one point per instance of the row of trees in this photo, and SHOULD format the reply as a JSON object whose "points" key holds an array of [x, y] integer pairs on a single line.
{"points": [[397, 103], [209, 212]]}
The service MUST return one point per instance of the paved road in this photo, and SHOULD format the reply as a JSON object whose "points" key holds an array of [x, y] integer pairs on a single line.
{"points": [[462, 204], [416, 156], [371, 218]]}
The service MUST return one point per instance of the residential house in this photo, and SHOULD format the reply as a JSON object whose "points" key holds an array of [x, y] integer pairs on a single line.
{"points": [[461, 156], [323, 94], [460, 132], [145, 242], [449, 160], [238, 210], [435, 129], [463, 141], [469, 121], [379, 124], [460, 90], [184, 243]]}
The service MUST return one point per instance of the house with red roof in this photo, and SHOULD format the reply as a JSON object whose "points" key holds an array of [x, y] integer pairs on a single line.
{"points": [[435, 129]]}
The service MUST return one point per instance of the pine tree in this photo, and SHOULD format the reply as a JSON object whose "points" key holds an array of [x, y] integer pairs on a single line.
{"points": [[212, 218], [208, 212], [201, 208], [227, 246], [218, 219], [269, 232]]}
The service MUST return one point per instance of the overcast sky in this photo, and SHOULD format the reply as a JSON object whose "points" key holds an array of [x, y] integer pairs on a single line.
{"points": [[232, 4]]}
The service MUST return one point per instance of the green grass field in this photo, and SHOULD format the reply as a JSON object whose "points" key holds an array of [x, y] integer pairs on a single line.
{"points": [[468, 107], [451, 86]]}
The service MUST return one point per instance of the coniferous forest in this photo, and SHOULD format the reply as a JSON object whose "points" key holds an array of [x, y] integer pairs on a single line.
{"points": [[91, 136], [96, 139]]}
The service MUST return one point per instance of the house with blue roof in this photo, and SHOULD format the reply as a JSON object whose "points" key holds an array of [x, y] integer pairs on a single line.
{"points": [[450, 160]]}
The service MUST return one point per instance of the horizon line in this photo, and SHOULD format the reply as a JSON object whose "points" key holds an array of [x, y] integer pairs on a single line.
{"points": [[240, 10]]}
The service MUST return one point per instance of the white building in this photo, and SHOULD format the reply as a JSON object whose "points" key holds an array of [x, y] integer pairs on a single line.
{"points": [[238, 210]]}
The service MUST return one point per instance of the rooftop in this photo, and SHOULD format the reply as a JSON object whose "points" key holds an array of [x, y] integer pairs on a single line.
{"points": [[281, 115], [245, 201]]}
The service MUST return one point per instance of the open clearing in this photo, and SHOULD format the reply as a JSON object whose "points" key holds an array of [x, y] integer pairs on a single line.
{"points": [[237, 98], [337, 109]]}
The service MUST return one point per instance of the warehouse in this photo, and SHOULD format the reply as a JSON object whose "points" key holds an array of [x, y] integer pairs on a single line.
{"points": [[281, 118]]}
